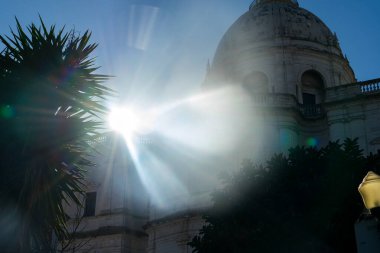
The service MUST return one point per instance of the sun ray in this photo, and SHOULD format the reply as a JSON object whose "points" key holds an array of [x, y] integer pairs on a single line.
{"points": [[180, 137]]}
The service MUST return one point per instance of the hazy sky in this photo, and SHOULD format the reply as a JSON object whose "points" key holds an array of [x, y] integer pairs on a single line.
{"points": [[163, 46]]}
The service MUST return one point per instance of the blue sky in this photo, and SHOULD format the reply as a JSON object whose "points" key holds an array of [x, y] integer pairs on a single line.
{"points": [[162, 46]]}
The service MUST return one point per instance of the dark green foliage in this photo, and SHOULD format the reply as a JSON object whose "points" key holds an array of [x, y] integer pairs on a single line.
{"points": [[50, 109], [306, 201]]}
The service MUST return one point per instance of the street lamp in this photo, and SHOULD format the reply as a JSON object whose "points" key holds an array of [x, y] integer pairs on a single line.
{"points": [[370, 192]]}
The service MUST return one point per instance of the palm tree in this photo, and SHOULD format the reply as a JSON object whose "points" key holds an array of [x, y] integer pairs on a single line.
{"points": [[51, 108]]}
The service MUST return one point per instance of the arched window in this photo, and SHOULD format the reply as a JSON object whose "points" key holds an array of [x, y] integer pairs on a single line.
{"points": [[312, 87], [312, 78], [256, 82]]}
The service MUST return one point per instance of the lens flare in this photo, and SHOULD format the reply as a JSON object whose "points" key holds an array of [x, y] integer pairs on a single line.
{"points": [[141, 24], [184, 139], [311, 142], [6, 111]]}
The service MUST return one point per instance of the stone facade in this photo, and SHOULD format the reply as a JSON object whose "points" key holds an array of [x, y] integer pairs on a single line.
{"points": [[303, 92], [121, 205]]}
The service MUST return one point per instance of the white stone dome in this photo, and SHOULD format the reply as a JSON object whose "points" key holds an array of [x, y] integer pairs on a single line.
{"points": [[284, 19], [275, 33]]}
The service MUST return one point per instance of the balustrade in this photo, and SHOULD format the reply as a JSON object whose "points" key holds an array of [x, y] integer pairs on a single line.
{"points": [[314, 111], [288, 101], [311, 111], [370, 86]]}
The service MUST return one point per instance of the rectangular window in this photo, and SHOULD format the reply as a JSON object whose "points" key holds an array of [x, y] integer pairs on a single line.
{"points": [[90, 203]]}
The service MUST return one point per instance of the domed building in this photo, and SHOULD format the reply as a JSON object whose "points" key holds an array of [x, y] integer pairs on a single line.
{"points": [[302, 91], [291, 64], [271, 46], [286, 58]]}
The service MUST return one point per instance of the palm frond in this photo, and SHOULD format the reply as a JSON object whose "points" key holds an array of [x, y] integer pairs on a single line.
{"points": [[46, 148]]}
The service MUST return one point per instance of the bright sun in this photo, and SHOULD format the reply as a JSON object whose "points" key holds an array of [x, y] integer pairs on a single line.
{"points": [[124, 121], [129, 121]]}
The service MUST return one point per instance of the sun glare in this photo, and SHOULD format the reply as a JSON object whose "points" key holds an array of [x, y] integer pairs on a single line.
{"points": [[169, 142], [129, 122]]}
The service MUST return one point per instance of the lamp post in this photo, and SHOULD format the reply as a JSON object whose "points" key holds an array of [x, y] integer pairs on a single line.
{"points": [[370, 191]]}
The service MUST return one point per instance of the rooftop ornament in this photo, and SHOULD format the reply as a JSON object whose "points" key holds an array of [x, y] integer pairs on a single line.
{"points": [[255, 2]]}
